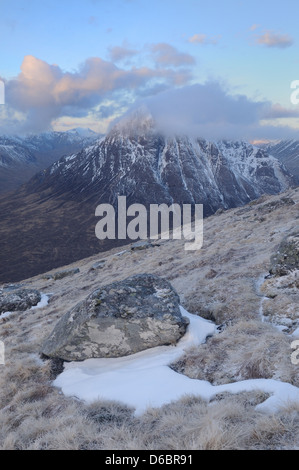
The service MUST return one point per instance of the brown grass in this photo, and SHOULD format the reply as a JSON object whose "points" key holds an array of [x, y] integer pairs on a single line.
{"points": [[218, 283]]}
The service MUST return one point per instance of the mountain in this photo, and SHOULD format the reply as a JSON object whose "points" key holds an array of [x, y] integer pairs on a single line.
{"points": [[51, 220], [136, 160], [287, 151], [22, 157]]}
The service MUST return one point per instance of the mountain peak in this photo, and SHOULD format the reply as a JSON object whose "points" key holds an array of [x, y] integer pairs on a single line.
{"points": [[82, 132], [138, 122]]}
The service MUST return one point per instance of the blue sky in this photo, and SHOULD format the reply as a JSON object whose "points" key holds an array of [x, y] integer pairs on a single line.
{"points": [[95, 58]]}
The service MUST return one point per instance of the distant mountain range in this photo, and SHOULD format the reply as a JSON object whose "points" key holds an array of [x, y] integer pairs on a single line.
{"points": [[22, 157], [50, 220]]}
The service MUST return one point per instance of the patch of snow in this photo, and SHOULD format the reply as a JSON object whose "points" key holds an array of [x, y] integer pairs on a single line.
{"points": [[5, 314], [42, 303], [145, 379], [280, 327], [296, 333], [120, 253]]}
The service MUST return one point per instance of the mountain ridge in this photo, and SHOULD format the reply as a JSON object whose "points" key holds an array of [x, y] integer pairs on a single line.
{"points": [[287, 151], [22, 157]]}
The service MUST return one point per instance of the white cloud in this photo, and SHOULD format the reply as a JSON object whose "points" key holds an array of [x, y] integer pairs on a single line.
{"points": [[44, 92], [166, 55], [210, 111], [119, 53], [203, 39], [254, 27], [272, 39]]}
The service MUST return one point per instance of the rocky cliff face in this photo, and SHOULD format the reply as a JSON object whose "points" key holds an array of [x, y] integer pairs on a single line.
{"points": [[287, 151], [137, 161]]}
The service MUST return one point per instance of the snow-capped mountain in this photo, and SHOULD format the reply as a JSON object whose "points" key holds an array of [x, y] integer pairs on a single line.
{"points": [[287, 151], [135, 160], [22, 157], [51, 220]]}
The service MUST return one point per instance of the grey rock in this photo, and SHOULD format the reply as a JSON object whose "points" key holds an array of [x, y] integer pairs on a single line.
{"points": [[119, 319], [11, 287], [98, 265], [287, 257], [141, 245], [12, 300], [64, 273], [220, 211], [273, 205]]}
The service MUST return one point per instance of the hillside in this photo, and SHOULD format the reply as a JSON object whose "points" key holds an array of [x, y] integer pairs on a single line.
{"points": [[225, 282]]}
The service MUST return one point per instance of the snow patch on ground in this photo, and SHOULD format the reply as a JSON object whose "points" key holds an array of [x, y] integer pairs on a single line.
{"points": [[145, 379], [42, 303], [5, 314], [295, 333]]}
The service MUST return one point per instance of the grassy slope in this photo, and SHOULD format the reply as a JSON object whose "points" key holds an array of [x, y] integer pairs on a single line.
{"points": [[218, 282]]}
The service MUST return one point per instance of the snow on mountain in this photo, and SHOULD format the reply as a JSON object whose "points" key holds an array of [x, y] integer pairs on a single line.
{"points": [[287, 151], [14, 151], [21, 157], [135, 160], [82, 132]]}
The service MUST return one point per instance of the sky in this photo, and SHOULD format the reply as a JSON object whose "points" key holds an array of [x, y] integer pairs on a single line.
{"points": [[221, 68]]}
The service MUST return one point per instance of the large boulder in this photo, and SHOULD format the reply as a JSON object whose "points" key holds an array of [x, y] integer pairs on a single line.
{"points": [[119, 319], [12, 299]]}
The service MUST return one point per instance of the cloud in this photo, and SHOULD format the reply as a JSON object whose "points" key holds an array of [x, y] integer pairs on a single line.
{"points": [[276, 111], [44, 92], [166, 55], [92, 20], [210, 111], [118, 53], [203, 39], [254, 27], [272, 39]]}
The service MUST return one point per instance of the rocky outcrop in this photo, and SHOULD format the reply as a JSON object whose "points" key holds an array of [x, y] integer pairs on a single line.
{"points": [[286, 258], [18, 299], [287, 151], [119, 319], [65, 273], [61, 274], [141, 245], [98, 265], [281, 286]]}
